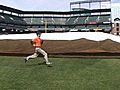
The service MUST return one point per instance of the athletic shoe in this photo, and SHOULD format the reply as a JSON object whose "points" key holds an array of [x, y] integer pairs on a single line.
{"points": [[48, 63], [25, 60]]}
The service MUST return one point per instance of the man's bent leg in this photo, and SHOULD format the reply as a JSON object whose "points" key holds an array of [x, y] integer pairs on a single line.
{"points": [[45, 55], [32, 56]]}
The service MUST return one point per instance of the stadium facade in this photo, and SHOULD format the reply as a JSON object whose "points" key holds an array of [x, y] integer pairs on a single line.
{"points": [[77, 19]]}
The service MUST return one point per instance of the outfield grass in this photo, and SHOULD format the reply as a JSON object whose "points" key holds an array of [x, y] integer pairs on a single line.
{"points": [[66, 74]]}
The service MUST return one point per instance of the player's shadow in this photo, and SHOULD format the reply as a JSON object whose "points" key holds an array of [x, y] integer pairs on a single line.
{"points": [[42, 63], [37, 64]]}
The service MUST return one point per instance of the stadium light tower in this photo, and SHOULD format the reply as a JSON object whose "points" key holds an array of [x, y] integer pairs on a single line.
{"points": [[45, 23], [45, 26]]}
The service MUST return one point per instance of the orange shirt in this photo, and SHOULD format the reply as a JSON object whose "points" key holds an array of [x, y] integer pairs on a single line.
{"points": [[37, 42]]}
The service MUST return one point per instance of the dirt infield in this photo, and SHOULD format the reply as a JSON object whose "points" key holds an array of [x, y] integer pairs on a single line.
{"points": [[82, 46]]}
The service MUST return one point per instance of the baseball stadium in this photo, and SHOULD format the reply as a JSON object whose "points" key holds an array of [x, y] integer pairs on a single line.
{"points": [[83, 45]]}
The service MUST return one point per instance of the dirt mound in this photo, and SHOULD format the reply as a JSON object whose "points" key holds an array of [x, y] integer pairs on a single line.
{"points": [[60, 47]]}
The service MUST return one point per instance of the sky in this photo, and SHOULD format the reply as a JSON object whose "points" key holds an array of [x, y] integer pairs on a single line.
{"points": [[48, 5]]}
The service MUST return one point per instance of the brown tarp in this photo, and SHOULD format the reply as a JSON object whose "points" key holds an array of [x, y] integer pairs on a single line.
{"points": [[24, 47]]}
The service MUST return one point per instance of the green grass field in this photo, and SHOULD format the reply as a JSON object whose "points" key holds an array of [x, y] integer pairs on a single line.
{"points": [[66, 74]]}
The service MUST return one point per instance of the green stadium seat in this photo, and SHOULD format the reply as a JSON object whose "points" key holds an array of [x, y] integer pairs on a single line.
{"points": [[104, 19], [92, 20], [81, 20]]}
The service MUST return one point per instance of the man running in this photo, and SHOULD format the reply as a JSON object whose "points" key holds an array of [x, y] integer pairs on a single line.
{"points": [[37, 43]]}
